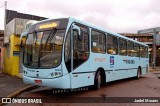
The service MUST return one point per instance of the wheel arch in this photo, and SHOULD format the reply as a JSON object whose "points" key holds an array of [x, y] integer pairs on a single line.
{"points": [[140, 68], [102, 73]]}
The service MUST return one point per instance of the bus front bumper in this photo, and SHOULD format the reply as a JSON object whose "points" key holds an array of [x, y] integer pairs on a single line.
{"points": [[60, 82]]}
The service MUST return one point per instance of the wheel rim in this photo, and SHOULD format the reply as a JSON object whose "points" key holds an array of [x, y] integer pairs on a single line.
{"points": [[99, 81], [138, 74]]}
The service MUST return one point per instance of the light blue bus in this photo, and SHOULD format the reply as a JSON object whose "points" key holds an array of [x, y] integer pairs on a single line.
{"points": [[68, 53]]}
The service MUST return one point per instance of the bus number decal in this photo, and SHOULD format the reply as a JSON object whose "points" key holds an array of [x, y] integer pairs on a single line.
{"points": [[129, 61], [58, 70]]}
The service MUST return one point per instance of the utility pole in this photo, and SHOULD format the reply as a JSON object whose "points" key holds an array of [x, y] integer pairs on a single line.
{"points": [[154, 48], [5, 4], [2, 59], [5, 8]]}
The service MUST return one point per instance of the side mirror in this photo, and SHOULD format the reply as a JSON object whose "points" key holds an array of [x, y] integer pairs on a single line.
{"points": [[24, 34], [76, 28]]}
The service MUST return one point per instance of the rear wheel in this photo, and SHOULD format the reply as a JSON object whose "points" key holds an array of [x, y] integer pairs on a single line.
{"points": [[98, 81], [138, 73]]}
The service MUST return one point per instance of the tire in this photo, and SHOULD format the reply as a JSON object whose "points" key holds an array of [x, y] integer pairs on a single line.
{"points": [[98, 81], [138, 73]]}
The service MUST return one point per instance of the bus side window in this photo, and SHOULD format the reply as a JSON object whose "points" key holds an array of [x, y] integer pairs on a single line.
{"points": [[112, 44], [122, 47], [98, 42], [137, 50], [144, 51], [130, 49]]}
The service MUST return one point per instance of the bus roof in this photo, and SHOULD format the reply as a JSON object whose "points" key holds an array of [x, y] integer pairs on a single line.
{"points": [[71, 20], [103, 29]]}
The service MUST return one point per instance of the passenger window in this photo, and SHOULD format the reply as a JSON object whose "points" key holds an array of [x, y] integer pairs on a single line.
{"points": [[98, 42], [131, 49], [122, 47], [137, 50], [112, 44], [144, 51]]}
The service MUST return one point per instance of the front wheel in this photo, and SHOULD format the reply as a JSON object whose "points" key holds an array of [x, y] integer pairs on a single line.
{"points": [[98, 81]]}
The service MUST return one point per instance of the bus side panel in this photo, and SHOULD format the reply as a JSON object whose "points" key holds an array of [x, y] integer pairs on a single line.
{"points": [[112, 62], [99, 60], [82, 76], [120, 67], [144, 64], [132, 64]]}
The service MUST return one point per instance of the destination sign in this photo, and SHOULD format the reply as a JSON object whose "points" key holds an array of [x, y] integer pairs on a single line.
{"points": [[47, 25]]}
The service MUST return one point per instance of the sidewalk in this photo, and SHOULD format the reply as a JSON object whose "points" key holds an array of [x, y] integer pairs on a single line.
{"points": [[11, 86], [155, 70], [151, 69]]}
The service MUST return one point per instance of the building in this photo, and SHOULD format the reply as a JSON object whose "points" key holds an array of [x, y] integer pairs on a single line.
{"points": [[1, 37], [1, 48], [156, 44], [151, 37], [15, 24]]}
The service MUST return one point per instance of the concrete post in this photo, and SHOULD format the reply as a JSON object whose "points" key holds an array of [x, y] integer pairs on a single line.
{"points": [[154, 48]]}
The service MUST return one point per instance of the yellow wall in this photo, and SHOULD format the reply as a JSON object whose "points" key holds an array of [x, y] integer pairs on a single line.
{"points": [[11, 62]]}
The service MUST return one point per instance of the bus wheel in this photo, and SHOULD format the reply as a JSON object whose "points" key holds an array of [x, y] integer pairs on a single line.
{"points": [[138, 73], [98, 81]]}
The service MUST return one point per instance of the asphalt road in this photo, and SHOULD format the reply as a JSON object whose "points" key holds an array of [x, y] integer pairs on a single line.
{"points": [[146, 86]]}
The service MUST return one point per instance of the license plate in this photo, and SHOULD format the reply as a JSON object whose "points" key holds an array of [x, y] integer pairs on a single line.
{"points": [[38, 81]]}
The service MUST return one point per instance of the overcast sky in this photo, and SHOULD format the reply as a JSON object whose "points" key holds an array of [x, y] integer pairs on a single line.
{"points": [[116, 15]]}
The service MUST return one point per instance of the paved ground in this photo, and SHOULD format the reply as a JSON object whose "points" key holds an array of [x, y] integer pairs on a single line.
{"points": [[147, 86], [9, 85]]}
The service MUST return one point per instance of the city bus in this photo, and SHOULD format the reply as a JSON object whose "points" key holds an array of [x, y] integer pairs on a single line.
{"points": [[68, 53]]}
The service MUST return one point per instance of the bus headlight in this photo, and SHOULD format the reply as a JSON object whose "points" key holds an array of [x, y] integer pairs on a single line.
{"points": [[56, 74]]}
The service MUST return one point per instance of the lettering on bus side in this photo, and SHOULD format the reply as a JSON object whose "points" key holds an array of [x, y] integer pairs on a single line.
{"points": [[129, 61], [100, 59]]}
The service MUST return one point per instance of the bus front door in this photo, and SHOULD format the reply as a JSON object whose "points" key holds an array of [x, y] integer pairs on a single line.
{"points": [[79, 57]]}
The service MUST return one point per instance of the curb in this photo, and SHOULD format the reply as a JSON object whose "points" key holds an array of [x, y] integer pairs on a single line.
{"points": [[153, 70], [19, 92], [158, 75], [20, 75]]}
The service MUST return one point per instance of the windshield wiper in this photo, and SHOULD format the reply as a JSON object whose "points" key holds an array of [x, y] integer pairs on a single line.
{"points": [[50, 37]]}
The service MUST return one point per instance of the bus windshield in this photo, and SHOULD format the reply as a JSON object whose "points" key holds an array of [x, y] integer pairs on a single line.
{"points": [[43, 49]]}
